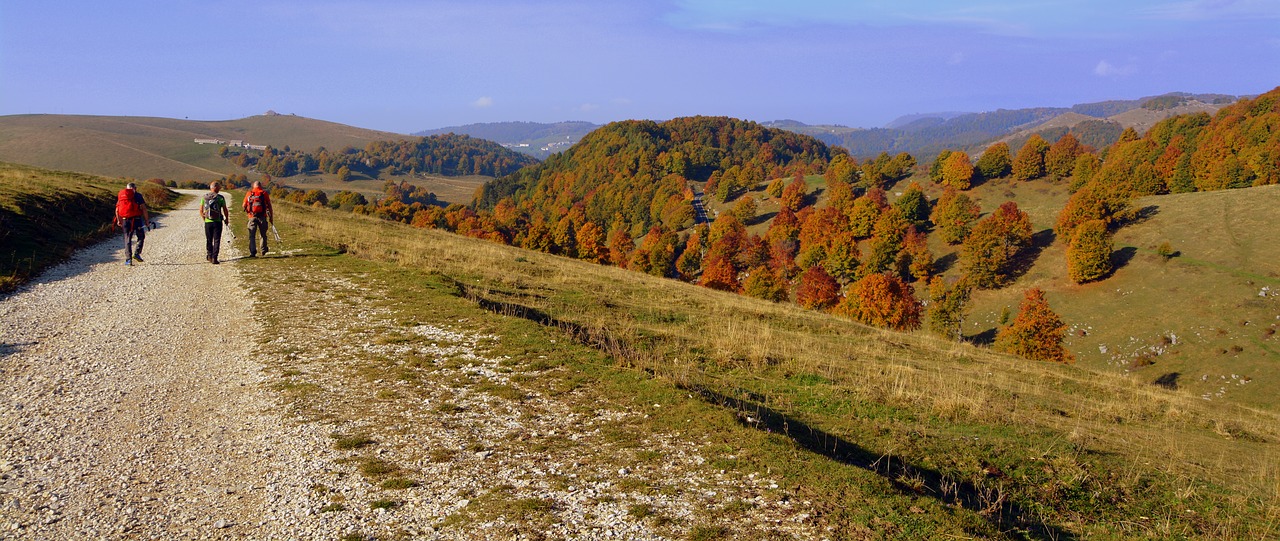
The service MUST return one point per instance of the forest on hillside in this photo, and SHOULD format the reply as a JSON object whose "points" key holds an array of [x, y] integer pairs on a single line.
{"points": [[444, 154], [623, 197]]}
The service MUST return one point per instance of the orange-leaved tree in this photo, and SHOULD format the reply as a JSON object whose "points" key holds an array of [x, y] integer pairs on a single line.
{"points": [[990, 248], [1036, 333], [957, 171], [882, 300], [817, 290]]}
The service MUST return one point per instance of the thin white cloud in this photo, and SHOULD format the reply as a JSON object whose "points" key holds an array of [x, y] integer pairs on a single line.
{"points": [[1216, 10], [483, 102], [1107, 69]]}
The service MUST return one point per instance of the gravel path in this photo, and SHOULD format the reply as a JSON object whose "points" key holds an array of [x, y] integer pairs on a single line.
{"points": [[136, 403], [131, 406]]}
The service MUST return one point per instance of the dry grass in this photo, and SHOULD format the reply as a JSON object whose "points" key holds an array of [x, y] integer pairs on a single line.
{"points": [[846, 379]]}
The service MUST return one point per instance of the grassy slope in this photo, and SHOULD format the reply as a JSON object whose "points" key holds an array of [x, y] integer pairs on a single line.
{"points": [[1209, 298], [143, 147], [44, 215], [898, 434]]}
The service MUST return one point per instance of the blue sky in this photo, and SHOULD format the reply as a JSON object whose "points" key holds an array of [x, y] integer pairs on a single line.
{"points": [[405, 66]]}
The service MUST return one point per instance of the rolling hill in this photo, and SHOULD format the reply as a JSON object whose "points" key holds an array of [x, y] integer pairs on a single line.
{"points": [[146, 147]]}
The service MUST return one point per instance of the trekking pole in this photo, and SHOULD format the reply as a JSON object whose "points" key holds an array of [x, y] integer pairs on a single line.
{"points": [[276, 233]]}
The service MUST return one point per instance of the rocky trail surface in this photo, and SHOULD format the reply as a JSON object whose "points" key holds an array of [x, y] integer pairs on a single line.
{"points": [[138, 402]]}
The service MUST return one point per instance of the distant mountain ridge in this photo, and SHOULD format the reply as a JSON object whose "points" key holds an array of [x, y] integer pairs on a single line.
{"points": [[536, 139], [925, 135]]}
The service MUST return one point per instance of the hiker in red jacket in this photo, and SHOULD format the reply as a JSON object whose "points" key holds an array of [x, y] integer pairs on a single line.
{"points": [[257, 207], [132, 217]]}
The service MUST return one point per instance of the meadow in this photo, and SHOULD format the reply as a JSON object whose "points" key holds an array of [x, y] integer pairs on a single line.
{"points": [[896, 435]]}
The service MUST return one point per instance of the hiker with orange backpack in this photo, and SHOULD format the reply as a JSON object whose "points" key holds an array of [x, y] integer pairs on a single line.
{"points": [[132, 217], [257, 208]]}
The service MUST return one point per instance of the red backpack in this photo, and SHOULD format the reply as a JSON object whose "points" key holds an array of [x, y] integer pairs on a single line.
{"points": [[257, 205], [127, 204]]}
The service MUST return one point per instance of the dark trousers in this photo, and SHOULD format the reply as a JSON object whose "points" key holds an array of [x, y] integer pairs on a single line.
{"points": [[257, 226], [132, 227], [212, 239]]}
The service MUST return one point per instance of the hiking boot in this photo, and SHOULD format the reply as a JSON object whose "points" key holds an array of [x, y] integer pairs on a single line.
{"points": [[138, 258], [128, 262], [214, 260], [251, 254]]}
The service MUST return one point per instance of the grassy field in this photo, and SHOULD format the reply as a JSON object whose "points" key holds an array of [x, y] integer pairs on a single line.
{"points": [[45, 215], [447, 189], [895, 435]]}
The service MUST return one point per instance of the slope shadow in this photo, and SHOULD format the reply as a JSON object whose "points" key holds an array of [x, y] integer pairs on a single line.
{"points": [[995, 508], [989, 502]]}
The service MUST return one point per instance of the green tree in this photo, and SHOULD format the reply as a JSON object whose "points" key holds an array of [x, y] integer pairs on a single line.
{"points": [[954, 215], [913, 205], [948, 306], [1089, 253], [995, 162], [763, 283]]}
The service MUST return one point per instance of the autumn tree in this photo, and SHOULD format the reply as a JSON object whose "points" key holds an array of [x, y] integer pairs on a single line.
{"points": [[915, 259], [690, 260], [842, 169], [948, 305], [718, 273], [1089, 253], [936, 168], [954, 215], [591, 243], [775, 187], [885, 243], [913, 205], [957, 171], [865, 212], [1036, 333], [995, 161], [745, 209], [1093, 201], [764, 283], [1029, 163], [1060, 159], [620, 245], [990, 248], [816, 289], [882, 300], [793, 195]]}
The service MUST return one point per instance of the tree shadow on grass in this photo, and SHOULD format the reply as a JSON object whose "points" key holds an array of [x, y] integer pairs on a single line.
{"points": [[1027, 257], [1121, 258], [945, 263], [987, 501], [984, 338], [911, 479]]}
